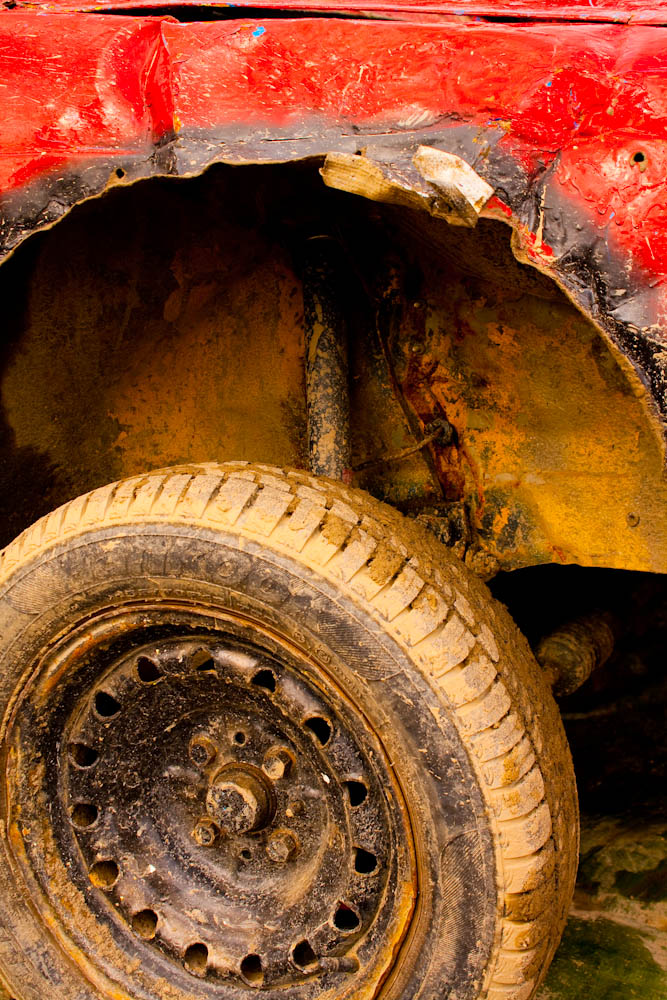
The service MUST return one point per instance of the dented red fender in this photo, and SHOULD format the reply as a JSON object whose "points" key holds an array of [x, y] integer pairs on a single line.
{"points": [[565, 120]]}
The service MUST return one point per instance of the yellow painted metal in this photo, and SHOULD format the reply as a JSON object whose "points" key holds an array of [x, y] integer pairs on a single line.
{"points": [[164, 324], [560, 453]]}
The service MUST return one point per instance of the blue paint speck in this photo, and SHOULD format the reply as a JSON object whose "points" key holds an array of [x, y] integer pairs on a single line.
{"points": [[548, 83], [258, 32]]}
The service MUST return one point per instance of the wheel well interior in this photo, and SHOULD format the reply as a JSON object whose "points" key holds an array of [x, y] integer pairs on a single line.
{"points": [[163, 323]]}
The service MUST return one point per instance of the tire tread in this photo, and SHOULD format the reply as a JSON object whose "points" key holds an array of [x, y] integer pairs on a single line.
{"points": [[393, 567]]}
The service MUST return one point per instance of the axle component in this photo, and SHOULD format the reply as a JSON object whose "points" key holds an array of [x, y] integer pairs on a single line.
{"points": [[327, 391], [569, 655]]}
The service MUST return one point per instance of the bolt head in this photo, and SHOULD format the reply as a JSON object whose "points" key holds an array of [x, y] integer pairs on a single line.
{"points": [[202, 750], [240, 799], [294, 808], [282, 846], [278, 763], [205, 832], [236, 808]]}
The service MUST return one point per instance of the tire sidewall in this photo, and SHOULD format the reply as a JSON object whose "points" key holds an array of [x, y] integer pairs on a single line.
{"points": [[453, 931]]}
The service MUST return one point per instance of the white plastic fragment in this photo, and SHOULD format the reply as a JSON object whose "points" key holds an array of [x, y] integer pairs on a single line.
{"points": [[453, 175]]}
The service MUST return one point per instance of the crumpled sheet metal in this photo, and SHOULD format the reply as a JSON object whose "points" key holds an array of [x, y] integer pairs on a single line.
{"points": [[566, 122]]}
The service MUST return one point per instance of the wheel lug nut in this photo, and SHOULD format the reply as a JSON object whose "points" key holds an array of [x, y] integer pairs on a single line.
{"points": [[202, 750], [294, 808], [282, 846], [240, 799], [205, 832], [278, 763]]}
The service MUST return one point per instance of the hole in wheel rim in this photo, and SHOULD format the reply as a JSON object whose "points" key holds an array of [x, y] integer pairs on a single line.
{"points": [[106, 705], [240, 738], [252, 971], [203, 662], [148, 671], [144, 924], [320, 728], [195, 959], [304, 957], [84, 815], [104, 874], [345, 919], [265, 679], [364, 862], [82, 755], [356, 791]]}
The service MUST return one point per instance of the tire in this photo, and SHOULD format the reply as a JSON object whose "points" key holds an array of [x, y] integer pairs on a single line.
{"points": [[187, 658]]}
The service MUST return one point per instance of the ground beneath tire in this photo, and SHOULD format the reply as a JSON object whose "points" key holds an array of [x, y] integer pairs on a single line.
{"points": [[615, 942]]}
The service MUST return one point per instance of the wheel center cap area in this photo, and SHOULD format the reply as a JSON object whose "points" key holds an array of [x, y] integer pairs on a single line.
{"points": [[240, 799]]}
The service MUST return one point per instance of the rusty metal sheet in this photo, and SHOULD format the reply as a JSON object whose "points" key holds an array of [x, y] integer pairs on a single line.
{"points": [[164, 324], [553, 455]]}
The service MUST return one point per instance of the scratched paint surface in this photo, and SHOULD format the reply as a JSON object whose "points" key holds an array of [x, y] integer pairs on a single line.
{"points": [[585, 103], [565, 120]]}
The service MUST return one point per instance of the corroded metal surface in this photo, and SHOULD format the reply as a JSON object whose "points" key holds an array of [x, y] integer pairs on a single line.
{"points": [[142, 331], [327, 391], [221, 811], [571, 653], [555, 453]]}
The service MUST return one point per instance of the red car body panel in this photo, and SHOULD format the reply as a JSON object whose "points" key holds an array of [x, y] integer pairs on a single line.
{"points": [[565, 120]]}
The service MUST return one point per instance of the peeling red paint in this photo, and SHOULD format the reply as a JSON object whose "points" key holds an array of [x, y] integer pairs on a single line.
{"points": [[580, 109], [589, 96], [103, 88]]}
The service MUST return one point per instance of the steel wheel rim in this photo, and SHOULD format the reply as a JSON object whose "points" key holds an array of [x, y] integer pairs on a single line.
{"points": [[243, 817]]}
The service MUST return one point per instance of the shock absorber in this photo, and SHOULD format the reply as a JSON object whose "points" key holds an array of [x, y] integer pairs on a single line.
{"points": [[327, 390]]}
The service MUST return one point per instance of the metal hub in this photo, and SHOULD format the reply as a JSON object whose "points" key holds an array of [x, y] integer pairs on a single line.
{"points": [[226, 811], [240, 799]]}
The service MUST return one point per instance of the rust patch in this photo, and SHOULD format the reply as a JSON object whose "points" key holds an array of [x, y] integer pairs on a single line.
{"points": [[179, 337]]}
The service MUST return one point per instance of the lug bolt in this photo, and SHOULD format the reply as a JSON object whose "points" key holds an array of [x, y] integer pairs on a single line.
{"points": [[205, 832], [240, 799], [202, 750], [278, 763], [282, 846]]}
